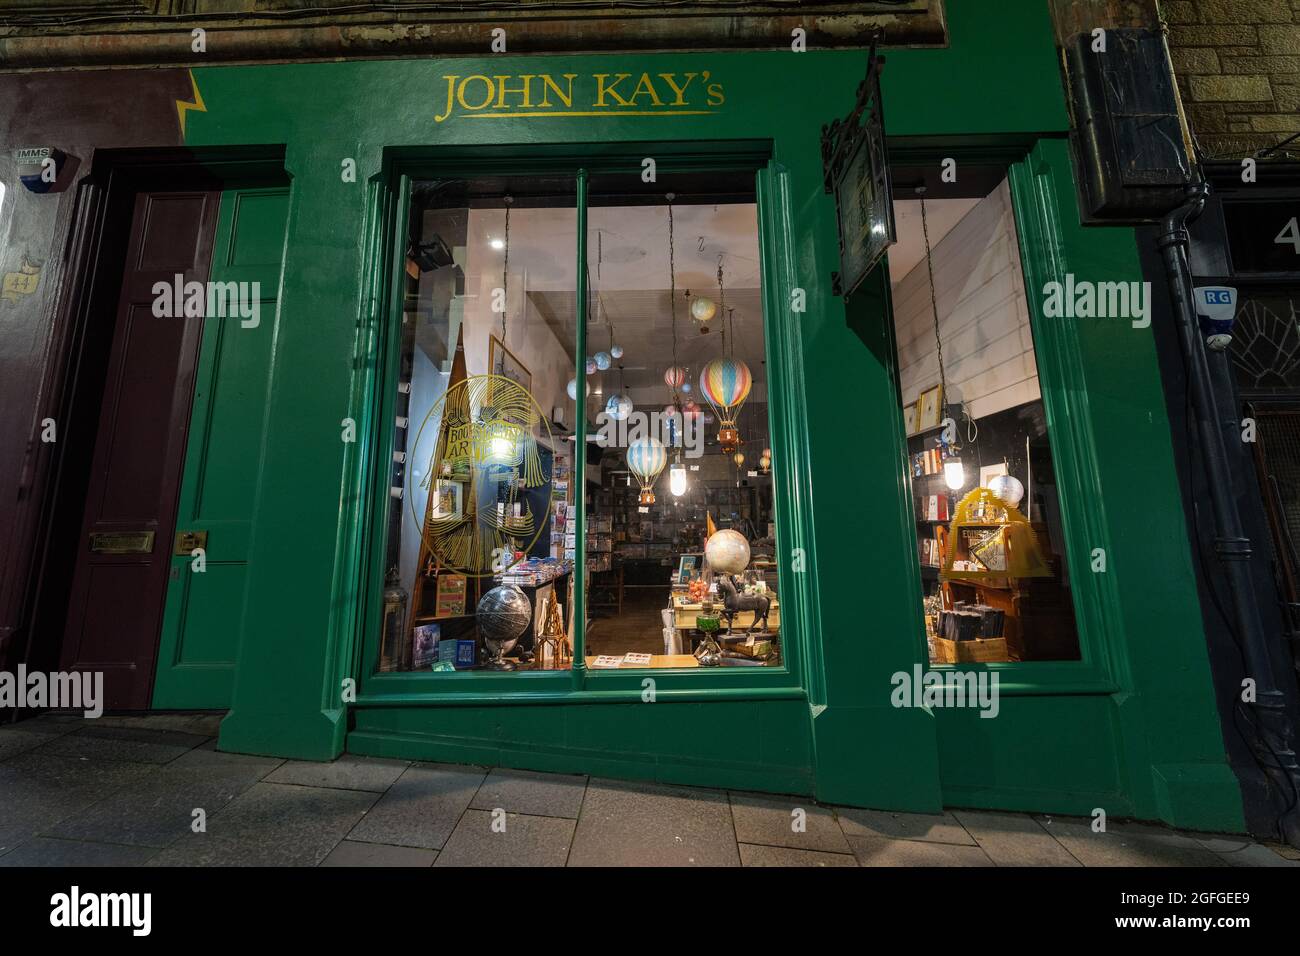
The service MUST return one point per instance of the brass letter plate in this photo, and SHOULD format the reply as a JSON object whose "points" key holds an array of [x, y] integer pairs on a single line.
{"points": [[187, 541], [121, 542]]}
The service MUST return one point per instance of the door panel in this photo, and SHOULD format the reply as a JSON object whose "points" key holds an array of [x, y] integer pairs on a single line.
{"points": [[204, 615], [116, 599]]}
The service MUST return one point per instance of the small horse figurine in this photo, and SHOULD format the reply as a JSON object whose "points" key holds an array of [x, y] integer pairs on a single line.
{"points": [[733, 600]]}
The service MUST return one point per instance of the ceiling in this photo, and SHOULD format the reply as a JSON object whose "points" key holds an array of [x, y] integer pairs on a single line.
{"points": [[628, 262], [941, 216]]}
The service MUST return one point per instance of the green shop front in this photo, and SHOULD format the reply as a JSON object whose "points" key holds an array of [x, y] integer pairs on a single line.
{"points": [[543, 436]]}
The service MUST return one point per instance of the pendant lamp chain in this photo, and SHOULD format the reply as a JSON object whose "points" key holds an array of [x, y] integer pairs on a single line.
{"points": [[672, 278], [934, 305], [722, 309], [505, 285]]}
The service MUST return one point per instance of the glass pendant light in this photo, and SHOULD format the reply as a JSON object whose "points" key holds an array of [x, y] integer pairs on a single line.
{"points": [[677, 479]]}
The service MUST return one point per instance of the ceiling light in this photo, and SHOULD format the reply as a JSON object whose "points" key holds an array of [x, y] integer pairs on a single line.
{"points": [[497, 244]]}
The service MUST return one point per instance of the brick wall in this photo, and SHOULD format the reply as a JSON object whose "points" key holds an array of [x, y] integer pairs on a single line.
{"points": [[1238, 67]]}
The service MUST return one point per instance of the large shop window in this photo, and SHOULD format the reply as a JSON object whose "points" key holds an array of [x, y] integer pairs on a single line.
{"points": [[485, 506], [995, 580]]}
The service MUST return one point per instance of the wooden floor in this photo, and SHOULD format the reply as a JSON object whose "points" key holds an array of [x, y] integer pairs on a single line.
{"points": [[639, 629]]}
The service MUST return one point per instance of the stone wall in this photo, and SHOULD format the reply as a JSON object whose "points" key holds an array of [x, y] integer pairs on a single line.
{"points": [[1238, 67]]}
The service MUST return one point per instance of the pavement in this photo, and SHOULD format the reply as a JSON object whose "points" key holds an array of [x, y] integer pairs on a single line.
{"points": [[154, 791]]}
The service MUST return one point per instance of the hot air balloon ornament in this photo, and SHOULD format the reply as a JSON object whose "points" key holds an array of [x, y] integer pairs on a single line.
{"points": [[725, 382], [674, 376], [646, 458]]}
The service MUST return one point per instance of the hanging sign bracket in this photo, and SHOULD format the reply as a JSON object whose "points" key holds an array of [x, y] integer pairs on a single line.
{"points": [[855, 169]]}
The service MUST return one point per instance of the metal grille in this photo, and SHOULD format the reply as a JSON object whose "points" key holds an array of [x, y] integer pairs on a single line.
{"points": [[1277, 458]]}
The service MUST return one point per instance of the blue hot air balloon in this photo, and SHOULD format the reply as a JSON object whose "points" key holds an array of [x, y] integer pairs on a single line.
{"points": [[646, 458]]}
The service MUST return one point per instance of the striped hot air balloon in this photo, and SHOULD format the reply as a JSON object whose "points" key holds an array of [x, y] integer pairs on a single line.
{"points": [[646, 458], [725, 382], [674, 375]]}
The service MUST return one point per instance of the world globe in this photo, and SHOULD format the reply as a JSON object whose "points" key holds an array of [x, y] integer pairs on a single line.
{"points": [[503, 615], [727, 551]]}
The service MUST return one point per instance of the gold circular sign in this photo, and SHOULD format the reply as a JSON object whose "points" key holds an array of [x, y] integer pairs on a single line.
{"points": [[480, 442]]}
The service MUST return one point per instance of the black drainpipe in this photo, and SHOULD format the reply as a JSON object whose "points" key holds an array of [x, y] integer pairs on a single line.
{"points": [[1273, 742]]}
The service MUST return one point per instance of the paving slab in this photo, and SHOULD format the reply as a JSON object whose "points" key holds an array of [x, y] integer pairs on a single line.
{"points": [[643, 824], [13, 742], [1013, 839], [1127, 845], [352, 853], [208, 756], [422, 807], [1255, 855], [51, 724], [47, 851], [132, 744], [526, 791], [272, 824], [205, 725], [776, 821], [40, 789], [883, 851], [160, 809], [928, 827], [346, 773], [752, 855], [524, 840]]}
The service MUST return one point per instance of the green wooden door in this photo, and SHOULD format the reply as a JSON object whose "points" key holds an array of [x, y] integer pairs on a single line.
{"points": [[203, 621]]}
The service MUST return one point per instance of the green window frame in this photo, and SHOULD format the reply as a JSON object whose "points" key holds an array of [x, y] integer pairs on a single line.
{"points": [[1041, 184], [389, 203]]}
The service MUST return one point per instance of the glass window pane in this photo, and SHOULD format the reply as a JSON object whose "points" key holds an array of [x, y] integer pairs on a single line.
{"points": [[475, 548], [679, 418], [995, 580]]}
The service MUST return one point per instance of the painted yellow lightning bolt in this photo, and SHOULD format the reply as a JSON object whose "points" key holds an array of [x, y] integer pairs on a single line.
{"points": [[184, 106]]}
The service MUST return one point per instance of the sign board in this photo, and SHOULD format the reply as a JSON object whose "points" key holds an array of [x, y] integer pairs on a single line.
{"points": [[856, 171], [1263, 236]]}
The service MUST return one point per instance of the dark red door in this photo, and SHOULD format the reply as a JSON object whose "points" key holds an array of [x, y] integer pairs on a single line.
{"points": [[116, 600]]}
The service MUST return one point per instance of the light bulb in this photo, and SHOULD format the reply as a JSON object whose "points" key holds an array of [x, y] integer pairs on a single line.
{"points": [[954, 474], [677, 480]]}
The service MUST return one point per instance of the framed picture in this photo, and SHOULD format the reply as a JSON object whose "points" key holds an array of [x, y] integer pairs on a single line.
{"points": [[929, 408], [450, 595], [909, 418], [501, 361], [688, 565], [989, 472], [448, 499]]}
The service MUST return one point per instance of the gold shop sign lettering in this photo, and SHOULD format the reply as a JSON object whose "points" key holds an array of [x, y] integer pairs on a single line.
{"points": [[493, 442], [543, 95]]}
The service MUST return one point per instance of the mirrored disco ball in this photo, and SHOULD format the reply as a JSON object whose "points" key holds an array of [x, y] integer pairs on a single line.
{"points": [[618, 407], [1008, 489], [616, 351], [602, 360]]}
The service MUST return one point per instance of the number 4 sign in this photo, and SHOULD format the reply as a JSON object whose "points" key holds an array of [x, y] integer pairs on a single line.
{"points": [[1290, 235]]}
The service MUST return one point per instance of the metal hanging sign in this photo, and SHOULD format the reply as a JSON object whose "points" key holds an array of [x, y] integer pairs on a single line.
{"points": [[855, 168]]}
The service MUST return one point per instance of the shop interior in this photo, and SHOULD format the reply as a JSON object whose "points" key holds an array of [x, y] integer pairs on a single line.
{"points": [[679, 560], [995, 582]]}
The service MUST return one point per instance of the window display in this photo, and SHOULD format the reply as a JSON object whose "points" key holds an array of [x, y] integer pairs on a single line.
{"points": [[480, 470], [989, 533], [681, 524], [485, 505]]}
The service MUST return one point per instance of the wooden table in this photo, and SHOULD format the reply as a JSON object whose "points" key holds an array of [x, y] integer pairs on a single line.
{"points": [[657, 660]]}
